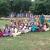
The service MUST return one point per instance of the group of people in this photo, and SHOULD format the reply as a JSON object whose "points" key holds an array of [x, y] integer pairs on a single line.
{"points": [[14, 29]]}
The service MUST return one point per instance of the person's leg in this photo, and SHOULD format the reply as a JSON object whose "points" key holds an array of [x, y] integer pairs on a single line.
{"points": [[5, 35], [47, 29], [18, 33], [13, 34]]}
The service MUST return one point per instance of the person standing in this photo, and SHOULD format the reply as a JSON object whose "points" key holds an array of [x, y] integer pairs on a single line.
{"points": [[42, 19]]}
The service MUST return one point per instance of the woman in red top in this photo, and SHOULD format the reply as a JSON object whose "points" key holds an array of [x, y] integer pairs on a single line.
{"points": [[1, 33]]}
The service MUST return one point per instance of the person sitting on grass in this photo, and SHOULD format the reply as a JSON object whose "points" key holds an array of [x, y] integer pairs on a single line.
{"points": [[45, 27], [39, 26], [25, 28], [21, 27], [15, 32], [13, 23], [34, 27], [1, 33], [11, 30], [6, 30], [38, 23]]}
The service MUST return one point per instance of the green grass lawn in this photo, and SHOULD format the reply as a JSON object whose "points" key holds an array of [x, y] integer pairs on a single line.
{"points": [[3, 22], [28, 41]]}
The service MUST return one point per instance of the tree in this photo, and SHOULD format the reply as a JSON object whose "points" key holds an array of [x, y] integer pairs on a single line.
{"points": [[8, 6], [37, 7], [40, 6], [4, 8]]}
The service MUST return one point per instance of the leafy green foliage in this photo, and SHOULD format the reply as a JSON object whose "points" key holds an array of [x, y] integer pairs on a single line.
{"points": [[37, 7]]}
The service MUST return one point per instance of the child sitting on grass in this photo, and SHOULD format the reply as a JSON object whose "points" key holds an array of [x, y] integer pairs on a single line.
{"points": [[34, 27], [21, 27], [6, 30], [15, 32], [39, 26], [45, 27], [25, 28], [1, 33]]}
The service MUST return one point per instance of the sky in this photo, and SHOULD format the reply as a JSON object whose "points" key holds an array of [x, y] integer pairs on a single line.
{"points": [[32, 0]]}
